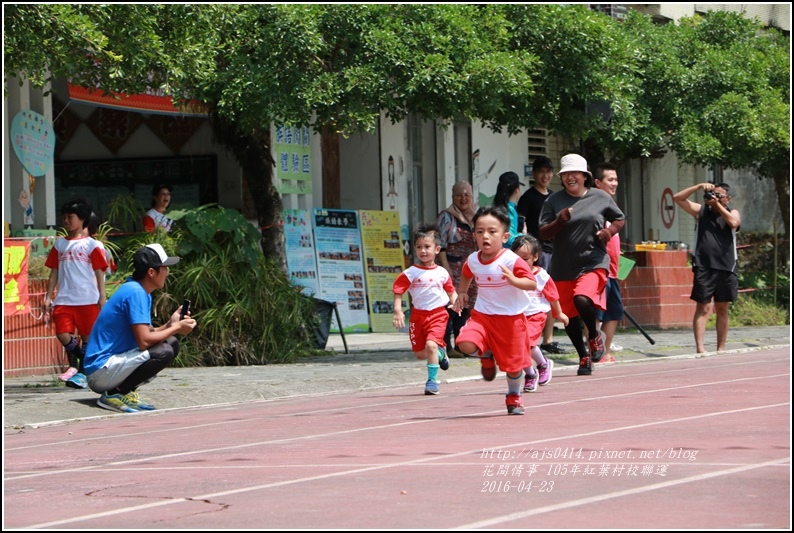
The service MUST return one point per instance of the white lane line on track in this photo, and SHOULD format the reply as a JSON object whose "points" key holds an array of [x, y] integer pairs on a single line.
{"points": [[599, 397], [211, 496]]}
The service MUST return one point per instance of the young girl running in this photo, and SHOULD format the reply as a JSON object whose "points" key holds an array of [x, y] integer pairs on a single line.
{"points": [[497, 329], [541, 300], [431, 290]]}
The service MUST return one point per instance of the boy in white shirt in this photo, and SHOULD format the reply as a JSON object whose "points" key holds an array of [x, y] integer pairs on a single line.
{"points": [[497, 329]]}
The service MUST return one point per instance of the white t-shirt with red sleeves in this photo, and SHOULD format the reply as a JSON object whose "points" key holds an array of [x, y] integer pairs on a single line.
{"points": [[429, 286], [76, 260], [495, 295], [540, 299]]}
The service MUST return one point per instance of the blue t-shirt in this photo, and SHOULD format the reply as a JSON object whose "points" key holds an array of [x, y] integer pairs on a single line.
{"points": [[112, 331]]}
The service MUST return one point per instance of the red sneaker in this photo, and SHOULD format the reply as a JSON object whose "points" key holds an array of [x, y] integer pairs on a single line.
{"points": [[514, 405], [488, 366]]}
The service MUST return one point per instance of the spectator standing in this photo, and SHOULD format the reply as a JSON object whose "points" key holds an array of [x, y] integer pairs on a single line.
{"points": [[155, 217], [77, 264], [125, 350], [529, 206], [606, 178], [432, 291], [575, 218], [508, 191], [714, 258], [457, 242]]}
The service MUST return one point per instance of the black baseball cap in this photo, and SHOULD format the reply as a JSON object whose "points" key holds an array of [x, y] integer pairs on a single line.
{"points": [[510, 178], [152, 256]]}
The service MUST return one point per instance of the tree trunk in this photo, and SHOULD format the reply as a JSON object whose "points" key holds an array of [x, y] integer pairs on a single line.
{"points": [[252, 151], [782, 178], [329, 142]]}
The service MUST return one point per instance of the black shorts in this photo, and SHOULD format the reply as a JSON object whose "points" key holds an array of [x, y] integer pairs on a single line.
{"points": [[710, 283], [614, 302]]}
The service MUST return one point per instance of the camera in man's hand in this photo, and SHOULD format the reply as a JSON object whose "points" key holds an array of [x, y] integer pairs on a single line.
{"points": [[711, 195]]}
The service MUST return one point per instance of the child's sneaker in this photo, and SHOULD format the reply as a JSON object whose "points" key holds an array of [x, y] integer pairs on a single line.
{"points": [[488, 366], [443, 360], [514, 405], [530, 383], [544, 372], [78, 381], [597, 349], [117, 402], [585, 366], [607, 359], [66, 376], [431, 387]]}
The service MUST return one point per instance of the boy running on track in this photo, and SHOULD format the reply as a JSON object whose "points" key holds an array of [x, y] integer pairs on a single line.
{"points": [[542, 300], [431, 290], [497, 329]]}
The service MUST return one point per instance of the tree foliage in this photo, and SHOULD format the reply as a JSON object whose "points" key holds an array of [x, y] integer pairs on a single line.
{"points": [[714, 89]]}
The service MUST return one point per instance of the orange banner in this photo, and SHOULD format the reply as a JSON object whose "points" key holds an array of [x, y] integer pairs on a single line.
{"points": [[142, 103], [16, 299]]}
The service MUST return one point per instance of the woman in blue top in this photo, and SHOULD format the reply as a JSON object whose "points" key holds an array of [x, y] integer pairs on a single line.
{"points": [[507, 194]]}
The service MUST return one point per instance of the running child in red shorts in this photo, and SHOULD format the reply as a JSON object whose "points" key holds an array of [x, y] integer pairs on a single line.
{"points": [[432, 291], [543, 299], [497, 328]]}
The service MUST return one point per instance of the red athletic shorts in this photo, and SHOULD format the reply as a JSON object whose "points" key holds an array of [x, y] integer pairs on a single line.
{"points": [[503, 335], [426, 326], [71, 318], [590, 284]]}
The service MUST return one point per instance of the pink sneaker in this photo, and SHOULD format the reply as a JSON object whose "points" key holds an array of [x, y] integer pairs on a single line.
{"points": [[70, 372]]}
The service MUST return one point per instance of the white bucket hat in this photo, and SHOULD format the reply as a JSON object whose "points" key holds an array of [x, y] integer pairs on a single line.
{"points": [[573, 163]]}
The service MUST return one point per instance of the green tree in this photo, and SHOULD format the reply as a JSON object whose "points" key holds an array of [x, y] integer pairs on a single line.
{"points": [[714, 89]]}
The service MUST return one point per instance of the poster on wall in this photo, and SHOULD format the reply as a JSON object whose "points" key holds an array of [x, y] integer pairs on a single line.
{"points": [[16, 299], [340, 266], [383, 257], [293, 160], [301, 260]]}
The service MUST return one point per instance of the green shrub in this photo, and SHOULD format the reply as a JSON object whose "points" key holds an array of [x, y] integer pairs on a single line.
{"points": [[246, 309], [749, 311]]}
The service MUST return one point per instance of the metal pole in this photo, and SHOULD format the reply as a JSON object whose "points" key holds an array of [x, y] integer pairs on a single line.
{"points": [[631, 318]]}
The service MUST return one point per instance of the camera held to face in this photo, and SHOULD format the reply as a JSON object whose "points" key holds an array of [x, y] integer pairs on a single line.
{"points": [[711, 195]]}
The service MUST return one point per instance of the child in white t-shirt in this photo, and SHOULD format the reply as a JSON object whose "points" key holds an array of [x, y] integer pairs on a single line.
{"points": [[497, 328], [432, 291]]}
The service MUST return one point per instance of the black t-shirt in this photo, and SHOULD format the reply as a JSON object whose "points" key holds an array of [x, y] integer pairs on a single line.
{"points": [[715, 246], [529, 206]]}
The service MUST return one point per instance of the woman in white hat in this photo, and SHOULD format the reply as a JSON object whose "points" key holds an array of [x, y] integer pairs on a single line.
{"points": [[574, 219]]}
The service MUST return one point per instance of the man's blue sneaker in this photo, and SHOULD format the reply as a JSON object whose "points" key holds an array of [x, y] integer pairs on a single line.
{"points": [[78, 381], [139, 403], [431, 387], [122, 403], [443, 360]]}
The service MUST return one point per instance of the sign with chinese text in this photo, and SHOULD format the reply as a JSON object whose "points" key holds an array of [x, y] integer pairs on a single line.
{"points": [[383, 257], [301, 260], [340, 266], [293, 160], [16, 299]]}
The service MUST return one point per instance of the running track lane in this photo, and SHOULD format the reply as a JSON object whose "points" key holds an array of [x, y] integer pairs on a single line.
{"points": [[696, 443]]}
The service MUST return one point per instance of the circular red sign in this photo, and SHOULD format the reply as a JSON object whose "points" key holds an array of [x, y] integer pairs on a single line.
{"points": [[667, 208]]}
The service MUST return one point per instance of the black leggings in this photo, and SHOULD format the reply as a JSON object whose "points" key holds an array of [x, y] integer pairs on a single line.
{"points": [[574, 328], [161, 355]]}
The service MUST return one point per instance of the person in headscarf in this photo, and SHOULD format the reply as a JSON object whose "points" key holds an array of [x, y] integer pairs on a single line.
{"points": [[457, 242]]}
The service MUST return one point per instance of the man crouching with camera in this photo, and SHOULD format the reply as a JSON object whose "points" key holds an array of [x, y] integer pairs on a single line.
{"points": [[714, 257]]}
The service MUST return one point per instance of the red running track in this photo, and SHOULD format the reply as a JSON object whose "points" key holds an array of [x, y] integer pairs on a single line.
{"points": [[690, 443]]}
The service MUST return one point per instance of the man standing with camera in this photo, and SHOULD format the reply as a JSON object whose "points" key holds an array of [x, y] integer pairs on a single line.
{"points": [[714, 257]]}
